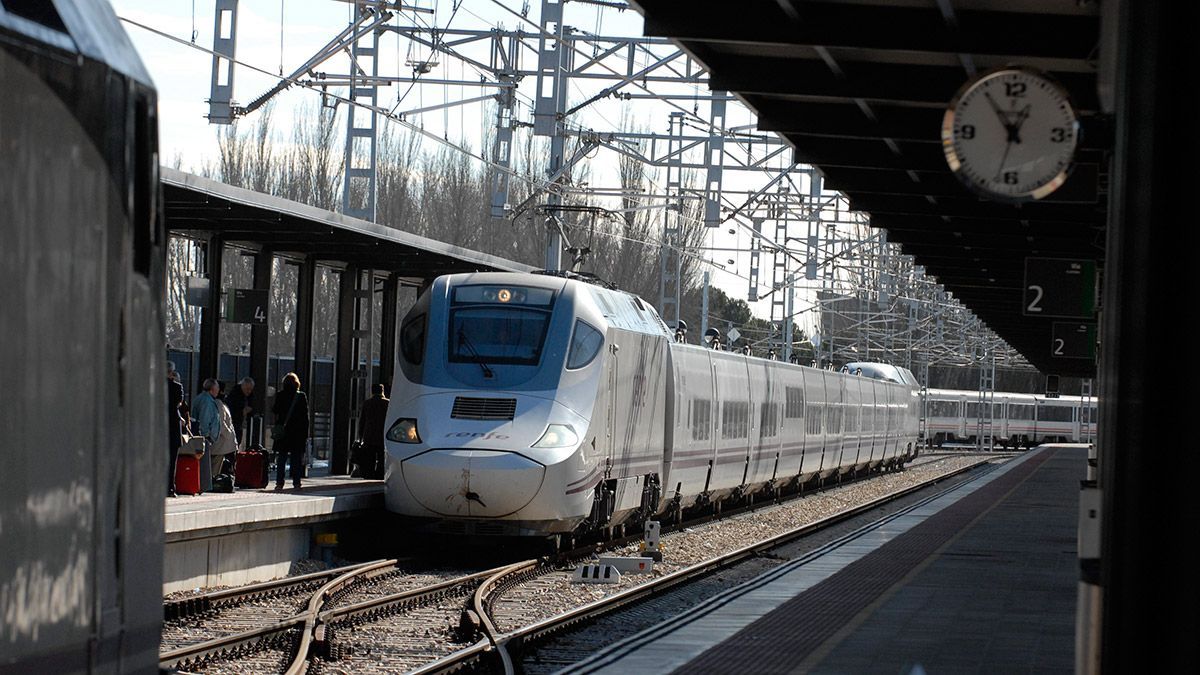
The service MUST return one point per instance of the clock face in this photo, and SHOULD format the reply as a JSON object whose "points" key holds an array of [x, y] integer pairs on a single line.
{"points": [[1010, 134]]}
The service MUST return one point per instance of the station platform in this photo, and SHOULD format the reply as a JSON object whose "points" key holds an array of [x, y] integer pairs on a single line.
{"points": [[982, 578], [223, 539]]}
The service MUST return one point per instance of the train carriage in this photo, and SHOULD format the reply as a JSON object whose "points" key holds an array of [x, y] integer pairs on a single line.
{"points": [[954, 416]]}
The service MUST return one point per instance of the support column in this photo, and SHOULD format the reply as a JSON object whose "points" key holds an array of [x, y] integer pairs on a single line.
{"points": [[353, 367], [554, 66], [344, 366], [1147, 577], [220, 97], [306, 282], [387, 339], [359, 186], [260, 335], [671, 259], [210, 315]]}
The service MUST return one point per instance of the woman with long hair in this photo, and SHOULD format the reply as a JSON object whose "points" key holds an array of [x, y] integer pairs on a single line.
{"points": [[291, 429]]}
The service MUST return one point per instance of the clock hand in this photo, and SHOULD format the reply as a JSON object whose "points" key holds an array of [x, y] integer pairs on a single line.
{"points": [[1004, 158], [1000, 113], [1015, 132]]}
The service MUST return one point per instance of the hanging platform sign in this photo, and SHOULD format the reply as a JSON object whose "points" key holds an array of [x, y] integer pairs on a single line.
{"points": [[247, 305], [1059, 287], [1073, 340]]}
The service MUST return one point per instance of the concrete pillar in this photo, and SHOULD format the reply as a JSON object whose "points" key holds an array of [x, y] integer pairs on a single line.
{"points": [[344, 367], [387, 340], [1147, 477], [260, 335], [306, 281], [210, 315]]}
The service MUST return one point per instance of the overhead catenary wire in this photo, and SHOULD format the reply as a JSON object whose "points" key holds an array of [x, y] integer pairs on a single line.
{"points": [[413, 127], [531, 181]]}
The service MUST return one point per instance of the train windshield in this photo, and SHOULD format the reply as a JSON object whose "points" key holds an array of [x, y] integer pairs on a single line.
{"points": [[499, 324]]}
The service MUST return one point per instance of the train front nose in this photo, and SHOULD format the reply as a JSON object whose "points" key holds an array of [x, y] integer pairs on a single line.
{"points": [[472, 483]]}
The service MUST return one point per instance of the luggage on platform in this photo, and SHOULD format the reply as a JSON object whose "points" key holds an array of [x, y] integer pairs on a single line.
{"points": [[251, 467], [187, 474], [223, 483], [206, 469]]}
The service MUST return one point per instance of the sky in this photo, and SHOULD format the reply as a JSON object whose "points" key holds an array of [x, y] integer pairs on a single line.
{"points": [[278, 35]]}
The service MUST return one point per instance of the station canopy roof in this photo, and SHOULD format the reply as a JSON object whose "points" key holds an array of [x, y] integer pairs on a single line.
{"points": [[199, 205], [859, 88]]}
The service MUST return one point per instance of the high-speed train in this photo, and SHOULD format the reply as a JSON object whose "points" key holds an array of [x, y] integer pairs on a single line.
{"points": [[1016, 419], [537, 405]]}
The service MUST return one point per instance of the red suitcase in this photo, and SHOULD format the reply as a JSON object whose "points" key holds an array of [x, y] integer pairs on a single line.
{"points": [[187, 474], [251, 469]]}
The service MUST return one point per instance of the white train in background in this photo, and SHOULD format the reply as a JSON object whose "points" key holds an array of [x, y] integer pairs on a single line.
{"points": [[541, 405], [1017, 420]]}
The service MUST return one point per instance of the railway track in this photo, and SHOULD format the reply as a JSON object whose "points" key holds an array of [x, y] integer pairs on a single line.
{"points": [[376, 617], [496, 651]]}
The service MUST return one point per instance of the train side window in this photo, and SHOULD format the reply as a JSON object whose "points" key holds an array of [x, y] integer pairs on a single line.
{"points": [[813, 419], [795, 403], [585, 345], [768, 422], [412, 340], [701, 421]]}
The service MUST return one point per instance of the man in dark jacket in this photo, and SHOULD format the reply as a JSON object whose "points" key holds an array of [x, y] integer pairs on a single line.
{"points": [[238, 402], [372, 419], [174, 424]]}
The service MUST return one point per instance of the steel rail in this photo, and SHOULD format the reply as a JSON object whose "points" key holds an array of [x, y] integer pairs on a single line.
{"points": [[299, 663], [257, 637], [182, 608]]}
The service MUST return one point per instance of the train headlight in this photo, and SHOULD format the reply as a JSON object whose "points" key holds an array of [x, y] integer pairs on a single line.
{"points": [[404, 430], [558, 436]]}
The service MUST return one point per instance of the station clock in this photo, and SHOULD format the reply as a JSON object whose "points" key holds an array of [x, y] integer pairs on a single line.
{"points": [[1010, 134]]}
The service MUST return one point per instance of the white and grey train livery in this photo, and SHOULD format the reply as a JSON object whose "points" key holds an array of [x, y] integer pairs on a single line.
{"points": [[537, 405]]}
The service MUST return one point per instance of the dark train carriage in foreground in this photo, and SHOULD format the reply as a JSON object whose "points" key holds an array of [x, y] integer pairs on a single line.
{"points": [[83, 425]]}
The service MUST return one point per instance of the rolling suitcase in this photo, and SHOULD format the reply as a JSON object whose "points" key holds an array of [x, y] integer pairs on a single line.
{"points": [[251, 468], [205, 471], [187, 475]]}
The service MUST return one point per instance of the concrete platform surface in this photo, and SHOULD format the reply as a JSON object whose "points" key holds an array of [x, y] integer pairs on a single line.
{"points": [[224, 539], [982, 578], [320, 498]]}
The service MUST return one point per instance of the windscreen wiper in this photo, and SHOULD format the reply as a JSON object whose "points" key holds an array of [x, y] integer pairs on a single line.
{"points": [[464, 341]]}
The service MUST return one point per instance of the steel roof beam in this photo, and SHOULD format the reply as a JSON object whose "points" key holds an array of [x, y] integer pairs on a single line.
{"points": [[920, 29]]}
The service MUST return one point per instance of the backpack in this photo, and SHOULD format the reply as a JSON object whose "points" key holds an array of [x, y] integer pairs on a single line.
{"points": [[222, 483]]}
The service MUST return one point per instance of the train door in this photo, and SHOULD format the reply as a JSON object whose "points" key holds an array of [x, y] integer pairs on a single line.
{"points": [[872, 423], [751, 423], [879, 422], [852, 446], [611, 434], [822, 421], [837, 420], [765, 447]]}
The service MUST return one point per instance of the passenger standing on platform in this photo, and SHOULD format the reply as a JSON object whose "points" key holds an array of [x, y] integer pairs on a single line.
{"points": [[174, 424], [238, 400], [372, 419], [208, 418], [226, 444], [290, 432]]}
